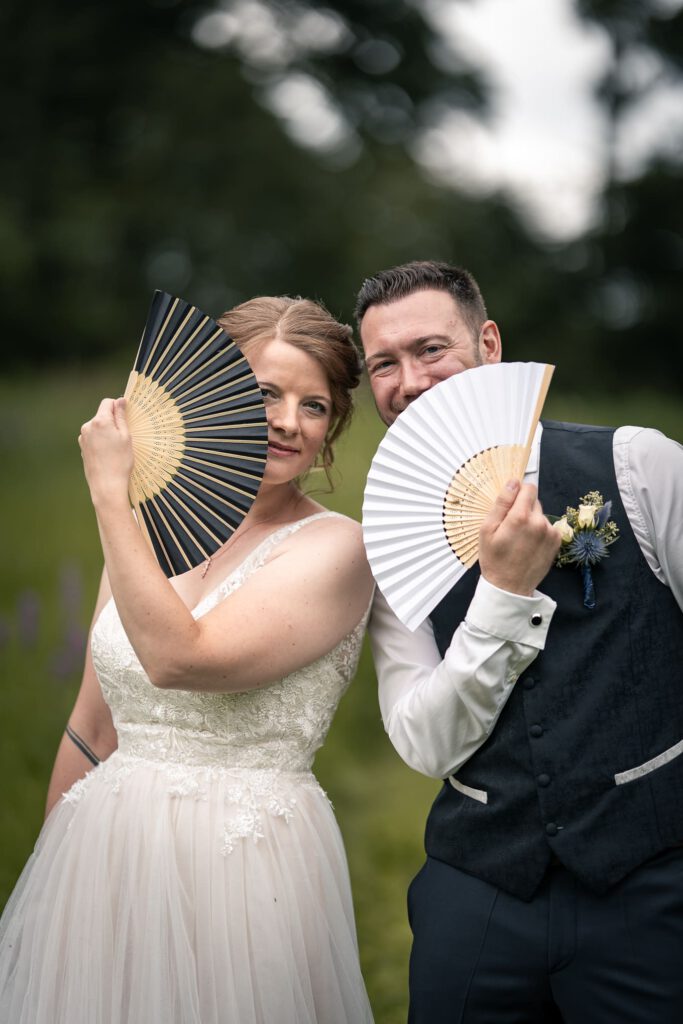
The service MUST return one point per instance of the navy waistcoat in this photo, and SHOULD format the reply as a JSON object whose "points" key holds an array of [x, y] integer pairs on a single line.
{"points": [[586, 759]]}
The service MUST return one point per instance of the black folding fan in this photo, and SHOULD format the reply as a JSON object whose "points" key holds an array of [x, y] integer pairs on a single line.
{"points": [[199, 433]]}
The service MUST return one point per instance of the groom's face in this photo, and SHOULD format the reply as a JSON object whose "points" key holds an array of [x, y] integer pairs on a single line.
{"points": [[415, 342]]}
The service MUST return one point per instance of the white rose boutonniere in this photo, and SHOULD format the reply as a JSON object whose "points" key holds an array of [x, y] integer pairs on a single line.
{"points": [[586, 534], [565, 531], [585, 518]]}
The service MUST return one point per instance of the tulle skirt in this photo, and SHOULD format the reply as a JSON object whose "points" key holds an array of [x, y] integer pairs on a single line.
{"points": [[207, 899]]}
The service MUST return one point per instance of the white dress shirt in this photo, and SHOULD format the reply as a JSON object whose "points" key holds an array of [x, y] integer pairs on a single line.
{"points": [[439, 712]]}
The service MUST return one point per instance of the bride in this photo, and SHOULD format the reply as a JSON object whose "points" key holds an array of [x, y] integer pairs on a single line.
{"points": [[196, 874]]}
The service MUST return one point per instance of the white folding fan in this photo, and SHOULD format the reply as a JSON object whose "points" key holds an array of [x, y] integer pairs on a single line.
{"points": [[436, 474]]}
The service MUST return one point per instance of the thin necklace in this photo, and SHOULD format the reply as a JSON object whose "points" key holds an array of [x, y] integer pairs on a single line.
{"points": [[232, 540]]}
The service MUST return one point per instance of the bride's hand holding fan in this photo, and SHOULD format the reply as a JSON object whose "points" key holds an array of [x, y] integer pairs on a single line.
{"points": [[107, 452]]}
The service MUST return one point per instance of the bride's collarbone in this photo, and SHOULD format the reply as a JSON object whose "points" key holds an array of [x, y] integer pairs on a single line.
{"points": [[195, 585]]}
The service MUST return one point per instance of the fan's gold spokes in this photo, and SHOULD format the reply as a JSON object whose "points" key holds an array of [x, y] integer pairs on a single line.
{"points": [[472, 492], [158, 435]]}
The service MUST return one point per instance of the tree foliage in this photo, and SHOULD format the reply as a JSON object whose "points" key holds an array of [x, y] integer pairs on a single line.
{"points": [[226, 150], [637, 251]]}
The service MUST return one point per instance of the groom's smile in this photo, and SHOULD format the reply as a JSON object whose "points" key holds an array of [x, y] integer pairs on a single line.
{"points": [[414, 342]]}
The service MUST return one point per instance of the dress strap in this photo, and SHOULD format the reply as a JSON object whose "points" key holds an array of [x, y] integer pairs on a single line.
{"points": [[257, 556], [289, 528]]}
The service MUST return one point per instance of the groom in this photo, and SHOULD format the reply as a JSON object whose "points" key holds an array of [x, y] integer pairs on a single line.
{"points": [[553, 885]]}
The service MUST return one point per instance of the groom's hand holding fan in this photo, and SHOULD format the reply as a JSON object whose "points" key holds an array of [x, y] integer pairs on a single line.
{"points": [[517, 544]]}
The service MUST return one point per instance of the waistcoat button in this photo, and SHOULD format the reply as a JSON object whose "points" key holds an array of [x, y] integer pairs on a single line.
{"points": [[529, 682], [543, 779], [551, 829], [536, 730]]}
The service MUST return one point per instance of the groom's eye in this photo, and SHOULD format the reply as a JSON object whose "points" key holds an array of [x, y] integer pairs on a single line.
{"points": [[385, 364]]}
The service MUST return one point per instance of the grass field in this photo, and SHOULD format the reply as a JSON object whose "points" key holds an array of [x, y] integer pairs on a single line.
{"points": [[50, 568]]}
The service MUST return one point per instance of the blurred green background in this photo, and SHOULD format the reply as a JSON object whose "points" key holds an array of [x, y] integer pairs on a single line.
{"points": [[51, 568], [219, 151]]}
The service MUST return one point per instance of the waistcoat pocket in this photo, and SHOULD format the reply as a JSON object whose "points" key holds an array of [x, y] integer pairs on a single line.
{"points": [[649, 766], [475, 794]]}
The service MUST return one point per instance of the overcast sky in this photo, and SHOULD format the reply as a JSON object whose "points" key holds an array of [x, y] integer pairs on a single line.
{"points": [[546, 139]]}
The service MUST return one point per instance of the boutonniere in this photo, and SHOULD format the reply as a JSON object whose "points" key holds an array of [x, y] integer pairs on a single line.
{"points": [[586, 532]]}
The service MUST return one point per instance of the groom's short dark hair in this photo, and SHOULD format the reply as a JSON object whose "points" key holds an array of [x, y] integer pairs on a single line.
{"points": [[420, 275]]}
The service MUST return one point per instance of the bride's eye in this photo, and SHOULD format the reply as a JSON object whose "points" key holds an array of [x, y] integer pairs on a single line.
{"points": [[317, 407]]}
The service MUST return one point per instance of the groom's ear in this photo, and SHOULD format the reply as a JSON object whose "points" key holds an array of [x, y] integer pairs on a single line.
{"points": [[489, 343]]}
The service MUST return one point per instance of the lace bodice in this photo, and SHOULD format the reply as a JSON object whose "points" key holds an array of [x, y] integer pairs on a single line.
{"points": [[279, 726]]}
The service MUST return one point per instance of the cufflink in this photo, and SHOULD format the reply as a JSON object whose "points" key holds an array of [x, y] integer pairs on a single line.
{"points": [[536, 619]]}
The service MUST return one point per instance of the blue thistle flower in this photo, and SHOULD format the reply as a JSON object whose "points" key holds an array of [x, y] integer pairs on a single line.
{"points": [[587, 547]]}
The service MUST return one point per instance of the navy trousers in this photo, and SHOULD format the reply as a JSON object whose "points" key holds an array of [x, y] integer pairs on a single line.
{"points": [[481, 956]]}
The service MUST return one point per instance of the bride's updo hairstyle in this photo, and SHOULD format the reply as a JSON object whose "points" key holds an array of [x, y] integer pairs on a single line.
{"points": [[306, 325]]}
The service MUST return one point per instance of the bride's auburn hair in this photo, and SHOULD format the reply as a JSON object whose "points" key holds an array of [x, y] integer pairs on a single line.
{"points": [[308, 326]]}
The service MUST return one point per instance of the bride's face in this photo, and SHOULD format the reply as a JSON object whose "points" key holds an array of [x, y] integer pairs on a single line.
{"points": [[298, 404]]}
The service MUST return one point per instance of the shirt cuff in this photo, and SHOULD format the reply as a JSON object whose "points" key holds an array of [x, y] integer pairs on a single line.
{"points": [[512, 617]]}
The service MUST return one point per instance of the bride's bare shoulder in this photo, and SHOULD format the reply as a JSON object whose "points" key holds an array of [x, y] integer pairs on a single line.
{"points": [[335, 543], [326, 556]]}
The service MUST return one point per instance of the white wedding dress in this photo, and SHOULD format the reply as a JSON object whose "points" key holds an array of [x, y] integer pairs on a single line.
{"points": [[197, 876]]}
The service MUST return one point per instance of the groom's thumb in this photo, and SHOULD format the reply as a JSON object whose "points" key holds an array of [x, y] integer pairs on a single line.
{"points": [[502, 505]]}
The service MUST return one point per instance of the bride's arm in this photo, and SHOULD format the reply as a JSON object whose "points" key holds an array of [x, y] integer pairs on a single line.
{"points": [[90, 726], [292, 611]]}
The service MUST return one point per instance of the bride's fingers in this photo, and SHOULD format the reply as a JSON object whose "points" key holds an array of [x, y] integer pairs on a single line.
{"points": [[105, 410], [111, 413], [104, 414], [120, 410]]}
